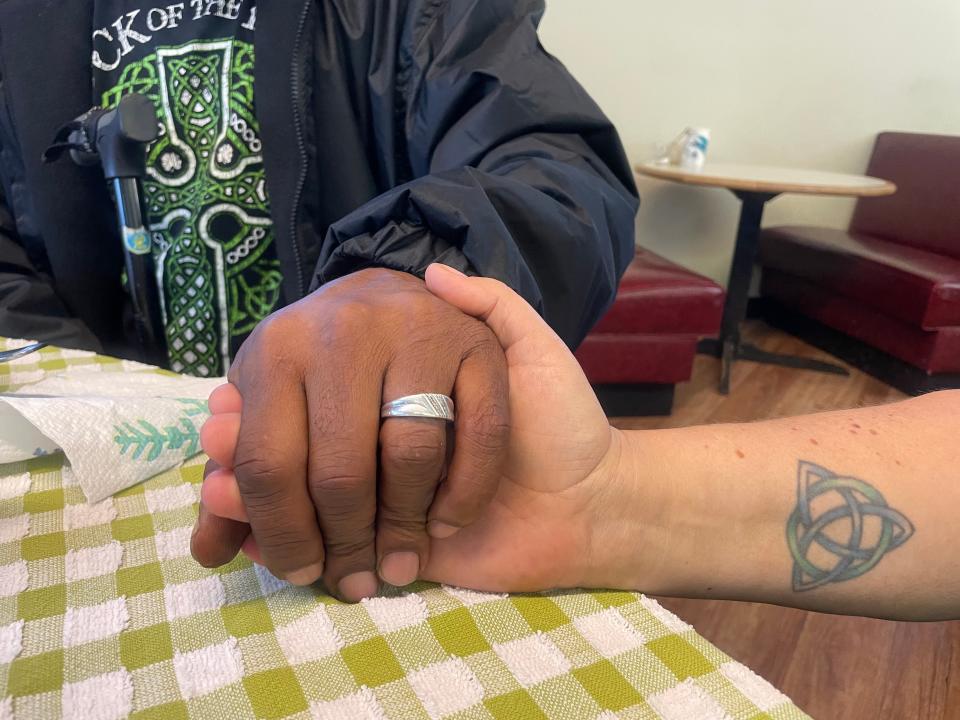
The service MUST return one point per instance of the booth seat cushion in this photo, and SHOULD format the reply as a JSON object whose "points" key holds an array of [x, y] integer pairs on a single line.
{"points": [[660, 297], [936, 351], [650, 334], [637, 359], [907, 283], [925, 211]]}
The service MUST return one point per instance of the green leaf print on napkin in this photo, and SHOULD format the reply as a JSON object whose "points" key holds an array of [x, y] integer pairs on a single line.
{"points": [[144, 437]]}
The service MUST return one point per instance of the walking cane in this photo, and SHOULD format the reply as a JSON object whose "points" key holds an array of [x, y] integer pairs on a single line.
{"points": [[116, 139]]}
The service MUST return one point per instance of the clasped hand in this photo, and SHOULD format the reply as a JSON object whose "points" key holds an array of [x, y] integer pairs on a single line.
{"points": [[327, 489], [296, 478]]}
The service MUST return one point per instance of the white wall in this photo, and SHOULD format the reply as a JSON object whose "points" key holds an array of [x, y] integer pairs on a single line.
{"points": [[804, 83]]}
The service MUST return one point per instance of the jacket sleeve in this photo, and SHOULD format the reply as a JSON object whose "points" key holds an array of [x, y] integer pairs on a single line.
{"points": [[520, 175], [29, 306]]}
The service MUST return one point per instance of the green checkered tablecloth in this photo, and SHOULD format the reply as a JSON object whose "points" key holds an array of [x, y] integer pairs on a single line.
{"points": [[103, 614]]}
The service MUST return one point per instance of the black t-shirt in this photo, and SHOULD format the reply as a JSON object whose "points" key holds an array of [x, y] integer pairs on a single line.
{"points": [[207, 203]]}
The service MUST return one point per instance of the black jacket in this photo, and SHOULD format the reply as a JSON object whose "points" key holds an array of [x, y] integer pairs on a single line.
{"points": [[396, 133]]}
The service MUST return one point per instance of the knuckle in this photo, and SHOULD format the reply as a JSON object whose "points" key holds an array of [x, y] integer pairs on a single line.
{"points": [[488, 429], [346, 319], [479, 340], [339, 491], [471, 330], [354, 331], [260, 479], [413, 447], [357, 545], [273, 344], [336, 464], [394, 523], [405, 497], [282, 542], [277, 327]]}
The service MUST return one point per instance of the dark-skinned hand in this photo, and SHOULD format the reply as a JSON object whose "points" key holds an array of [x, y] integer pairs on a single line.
{"points": [[328, 489], [560, 517]]}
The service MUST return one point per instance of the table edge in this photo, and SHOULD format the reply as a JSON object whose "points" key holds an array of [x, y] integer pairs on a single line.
{"points": [[691, 178]]}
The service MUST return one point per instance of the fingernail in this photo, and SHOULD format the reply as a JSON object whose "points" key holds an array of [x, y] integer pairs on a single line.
{"points": [[400, 568], [448, 269], [359, 586], [305, 576], [441, 531]]}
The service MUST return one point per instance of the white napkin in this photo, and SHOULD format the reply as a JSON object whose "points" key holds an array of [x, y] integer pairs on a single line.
{"points": [[116, 429]]}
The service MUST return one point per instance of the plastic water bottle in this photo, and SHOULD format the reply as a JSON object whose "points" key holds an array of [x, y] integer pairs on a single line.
{"points": [[694, 153]]}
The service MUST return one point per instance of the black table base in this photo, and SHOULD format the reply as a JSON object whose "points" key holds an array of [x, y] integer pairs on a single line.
{"points": [[730, 348], [751, 353]]}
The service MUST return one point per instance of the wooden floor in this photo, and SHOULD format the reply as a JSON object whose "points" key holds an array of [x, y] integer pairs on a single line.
{"points": [[833, 667]]}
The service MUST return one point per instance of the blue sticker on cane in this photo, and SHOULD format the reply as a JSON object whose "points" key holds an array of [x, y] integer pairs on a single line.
{"points": [[137, 240]]}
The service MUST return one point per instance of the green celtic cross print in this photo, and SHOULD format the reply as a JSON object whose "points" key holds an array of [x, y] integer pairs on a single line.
{"points": [[852, 511], [207, 202]]}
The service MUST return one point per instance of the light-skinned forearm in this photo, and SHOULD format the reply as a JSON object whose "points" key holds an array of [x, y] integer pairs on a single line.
{"points": [[720, 511]]}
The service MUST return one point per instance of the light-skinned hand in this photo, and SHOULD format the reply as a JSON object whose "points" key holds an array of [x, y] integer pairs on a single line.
{"points": [[552, 491]]}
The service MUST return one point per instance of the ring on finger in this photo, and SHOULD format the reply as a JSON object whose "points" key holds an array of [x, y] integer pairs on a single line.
{"points": [[425, 405]]}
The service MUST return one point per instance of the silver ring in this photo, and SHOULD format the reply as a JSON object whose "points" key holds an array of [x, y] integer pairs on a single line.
{"points": [[425, 405]]}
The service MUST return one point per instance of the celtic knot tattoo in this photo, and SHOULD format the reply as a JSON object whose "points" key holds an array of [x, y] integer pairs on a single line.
{"points": [[853, 506]]}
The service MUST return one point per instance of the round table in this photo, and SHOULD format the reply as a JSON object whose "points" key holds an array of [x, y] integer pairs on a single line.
{"points": [[755, 186]]}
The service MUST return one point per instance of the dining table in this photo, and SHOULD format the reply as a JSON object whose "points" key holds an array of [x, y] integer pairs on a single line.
{"points": [[755, 186], [105, 615]]}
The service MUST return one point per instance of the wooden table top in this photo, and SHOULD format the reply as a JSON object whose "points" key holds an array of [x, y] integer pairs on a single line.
{"points": [[769, 179]]}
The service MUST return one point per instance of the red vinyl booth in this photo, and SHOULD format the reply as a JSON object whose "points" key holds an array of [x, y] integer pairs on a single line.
{"points": [[885, 293], [646, 343]]}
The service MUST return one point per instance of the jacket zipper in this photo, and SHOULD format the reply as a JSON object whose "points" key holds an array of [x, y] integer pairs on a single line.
{"points": [[301, 146]]}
